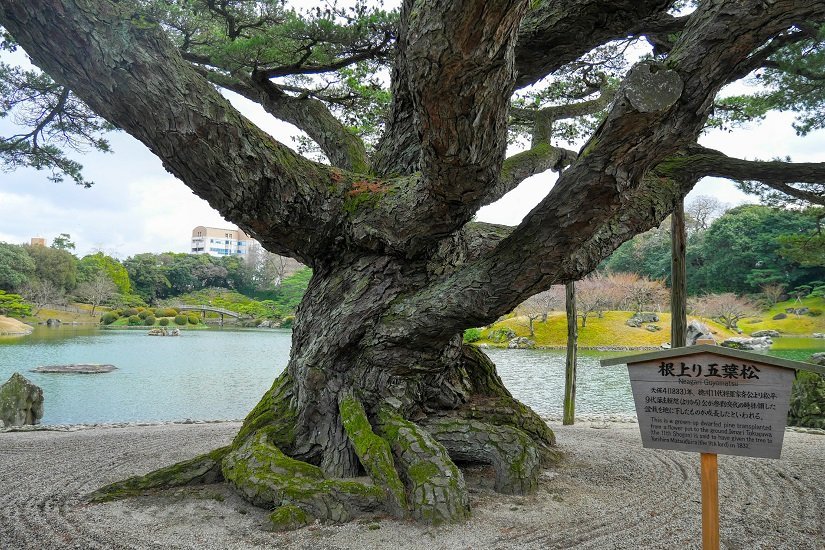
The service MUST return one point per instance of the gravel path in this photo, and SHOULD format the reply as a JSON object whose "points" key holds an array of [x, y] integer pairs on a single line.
{"points": [[608, 493]]}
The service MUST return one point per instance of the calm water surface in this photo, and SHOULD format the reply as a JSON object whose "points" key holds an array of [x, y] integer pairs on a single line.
{"points": [[221, 374]]}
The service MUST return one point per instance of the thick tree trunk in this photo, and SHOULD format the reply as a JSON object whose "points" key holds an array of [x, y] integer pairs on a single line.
{"points": [[401, 416]]}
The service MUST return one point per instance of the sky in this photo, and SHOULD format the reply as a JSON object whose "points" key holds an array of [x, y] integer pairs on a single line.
{"points": [[136, 206]]}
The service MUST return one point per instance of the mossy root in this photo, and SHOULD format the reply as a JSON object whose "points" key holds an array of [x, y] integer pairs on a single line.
{"points": [[374, 453], [436, 492], [202, 469], [509, 450], [266, 477]]}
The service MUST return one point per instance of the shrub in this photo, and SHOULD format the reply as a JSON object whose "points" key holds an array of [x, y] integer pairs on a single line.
{"points": [[181, 320], [288, 321], [149, 320], [109, 318], [193, 319], [472, 335], [168, 312], [143, 314], [500, 335], [164, 322], [134, 321], [128, 312]]}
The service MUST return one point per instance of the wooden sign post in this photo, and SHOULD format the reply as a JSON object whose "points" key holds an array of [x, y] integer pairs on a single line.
{"points": [[712, 400]]}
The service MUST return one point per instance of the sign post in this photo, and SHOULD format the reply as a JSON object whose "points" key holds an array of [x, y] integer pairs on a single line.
{"points": [[712, 400]]}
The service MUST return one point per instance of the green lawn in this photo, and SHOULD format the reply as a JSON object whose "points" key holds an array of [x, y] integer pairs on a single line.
{"points": [[610, 330]]}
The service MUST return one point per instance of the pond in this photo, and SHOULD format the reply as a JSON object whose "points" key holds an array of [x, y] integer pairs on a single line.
{"points": [[221, 374]]}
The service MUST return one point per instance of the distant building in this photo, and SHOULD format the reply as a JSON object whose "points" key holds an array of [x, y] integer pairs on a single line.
{"points": [[38, 241], [220, 242]]}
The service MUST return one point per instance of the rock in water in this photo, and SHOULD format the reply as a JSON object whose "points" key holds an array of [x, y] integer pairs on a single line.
{"points": [[21, 402]]}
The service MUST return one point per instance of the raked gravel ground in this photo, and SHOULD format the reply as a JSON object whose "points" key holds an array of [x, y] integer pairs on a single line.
{"points": [[608, 493]]}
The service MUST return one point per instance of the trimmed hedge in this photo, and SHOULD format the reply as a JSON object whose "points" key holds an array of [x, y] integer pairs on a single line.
{"points": [[193, 319], [109, 318], [181, 320], [135, 321], [164, 322], [149, 321]]}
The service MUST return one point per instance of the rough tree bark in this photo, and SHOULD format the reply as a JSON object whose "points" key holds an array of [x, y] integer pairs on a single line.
{"points": [[378, 381]]}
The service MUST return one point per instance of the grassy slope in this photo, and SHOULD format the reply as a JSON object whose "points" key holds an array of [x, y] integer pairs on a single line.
{"points": [[610, 330], [802, 325]]}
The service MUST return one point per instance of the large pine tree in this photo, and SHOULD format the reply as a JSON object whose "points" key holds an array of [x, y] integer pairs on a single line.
{"points": [[378, 380]]}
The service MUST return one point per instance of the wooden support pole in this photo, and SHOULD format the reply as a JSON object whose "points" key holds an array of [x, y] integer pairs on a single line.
{"points": [[678, 277], [569, 414], [710, 502]]}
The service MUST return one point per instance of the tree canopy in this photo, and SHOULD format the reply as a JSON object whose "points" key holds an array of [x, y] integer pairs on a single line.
{"points": [[412, 110]]}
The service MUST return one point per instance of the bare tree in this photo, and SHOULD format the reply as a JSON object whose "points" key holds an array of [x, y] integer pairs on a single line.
{"points": [[42, 292], [270, 269], [539, 306], [772, 293], [593, 295], [701, 211], [727, 308], [647, 293], [96, 291]]}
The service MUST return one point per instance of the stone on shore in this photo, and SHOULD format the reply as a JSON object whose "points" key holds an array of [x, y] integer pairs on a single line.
{"points": [[81, 368], [521, 342], [21, 402], [697, 331], [639, 318], [768, 333], [748, 343]]}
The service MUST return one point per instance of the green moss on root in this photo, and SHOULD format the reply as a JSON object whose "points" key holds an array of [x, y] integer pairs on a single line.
{"points": [[374, 453], [205, 468], [265, 476], [288, 518], [275, 412]]}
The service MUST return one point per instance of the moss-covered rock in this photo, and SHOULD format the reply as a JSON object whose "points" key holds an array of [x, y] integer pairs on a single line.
{"points": [[21, 402], [807, 407]]}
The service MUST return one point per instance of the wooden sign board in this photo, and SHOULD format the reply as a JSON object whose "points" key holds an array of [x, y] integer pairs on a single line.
{"points": [[709, 399]]}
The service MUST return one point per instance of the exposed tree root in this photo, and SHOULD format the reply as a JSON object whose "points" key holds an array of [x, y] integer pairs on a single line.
{"points": [[374, 453], [436, 491], [266, 477], [202, 469], [509, 450]]}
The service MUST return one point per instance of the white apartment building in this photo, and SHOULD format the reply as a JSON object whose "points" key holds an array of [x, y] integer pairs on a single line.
{"points": [[220, 242]]}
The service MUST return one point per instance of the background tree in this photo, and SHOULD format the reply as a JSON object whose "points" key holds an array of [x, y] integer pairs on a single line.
{"points": [[16, 266], [727, 308], [539, 306], [63, 242], [41, 293], [13, 305], [700, 211], [91, 265], [96, 291], [594, 294], [378, 380], [57, 266], [773, 293]]}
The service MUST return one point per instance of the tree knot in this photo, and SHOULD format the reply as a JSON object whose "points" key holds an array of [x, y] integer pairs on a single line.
{"points": [[650, 87]]}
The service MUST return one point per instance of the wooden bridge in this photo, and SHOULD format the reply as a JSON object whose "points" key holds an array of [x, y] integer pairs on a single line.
{"points": [[204, 308]]}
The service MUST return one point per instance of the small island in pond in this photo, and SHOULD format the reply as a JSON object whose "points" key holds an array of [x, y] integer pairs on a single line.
{"points": [[82, 368]]}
